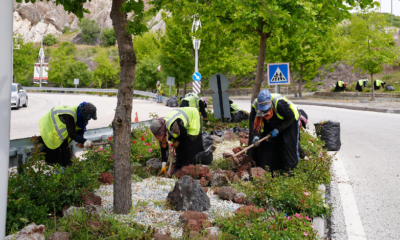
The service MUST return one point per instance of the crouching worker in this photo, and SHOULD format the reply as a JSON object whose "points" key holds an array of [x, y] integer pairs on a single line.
{"points": [[275, 115], [340, 86], [193, 100], [362, 83], [378, 84], [182, 128], [61, 125]]}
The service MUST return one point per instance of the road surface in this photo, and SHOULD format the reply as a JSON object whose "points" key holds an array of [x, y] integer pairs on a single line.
{"points": [[371, 160], [25, 121]]}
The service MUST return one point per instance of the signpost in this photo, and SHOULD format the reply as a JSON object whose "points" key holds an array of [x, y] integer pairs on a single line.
{"points": [[170, 82], [196, 45], [219, 83], [76, 82], [278, 74]]}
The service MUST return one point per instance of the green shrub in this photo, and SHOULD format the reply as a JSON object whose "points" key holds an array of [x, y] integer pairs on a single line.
{"points": [[65, 30], [386, 77], [50, 39], [314, 89], [108, 36], [90, 30]]}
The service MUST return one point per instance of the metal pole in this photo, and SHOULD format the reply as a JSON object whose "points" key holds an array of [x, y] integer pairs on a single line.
{"points": [[277, 89], [6, 69], [391, 12], [41, 58], [196, 60]]}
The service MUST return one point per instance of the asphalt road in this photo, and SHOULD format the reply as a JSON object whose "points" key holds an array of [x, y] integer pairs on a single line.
{"points": [[371, 158], [25, 121]]}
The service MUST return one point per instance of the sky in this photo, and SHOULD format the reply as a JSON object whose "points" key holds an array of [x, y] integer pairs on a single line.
{"points": [[385, 6]]}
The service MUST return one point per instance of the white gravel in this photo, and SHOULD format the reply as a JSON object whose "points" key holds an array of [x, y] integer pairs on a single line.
{"points": [[148, 201]]}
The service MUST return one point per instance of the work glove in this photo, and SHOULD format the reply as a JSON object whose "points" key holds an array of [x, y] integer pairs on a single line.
{"points": [[163, 169], [274, 133], [255, 141], [88, 144]]}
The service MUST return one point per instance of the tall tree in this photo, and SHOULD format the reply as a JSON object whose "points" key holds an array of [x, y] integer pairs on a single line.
{"points": [[263, 18], [106, 73], [370, 43], [23, 60], [77, 70], [124, 29], [60, 57]]}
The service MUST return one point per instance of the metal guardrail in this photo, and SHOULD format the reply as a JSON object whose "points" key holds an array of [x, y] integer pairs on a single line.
{"points": [[71, 90], [20, 149]]}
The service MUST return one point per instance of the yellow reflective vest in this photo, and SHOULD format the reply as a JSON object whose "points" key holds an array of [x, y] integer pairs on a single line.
{"points": [[194, 101], [275, 98], [52, 130], [190, 117], [235, 108], [361, 82], [378, 83], [160, 89], [340, 83]]}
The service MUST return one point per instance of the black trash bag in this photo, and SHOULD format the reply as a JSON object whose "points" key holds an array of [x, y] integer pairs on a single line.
{"points": [[389, 88], [221, 132], [173, 102], [240, 116], [206, 156], [330, 134], [236, 130]]}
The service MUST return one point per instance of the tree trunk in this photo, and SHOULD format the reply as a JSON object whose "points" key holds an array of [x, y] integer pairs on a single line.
{"points": [[260, 66], [373, 87], [294, 83], [184, 89], [301, 80], [122, 120]]}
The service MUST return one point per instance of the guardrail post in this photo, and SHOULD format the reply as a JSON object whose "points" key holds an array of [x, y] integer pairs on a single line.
{"points": [[21, 157], [74, 147]]}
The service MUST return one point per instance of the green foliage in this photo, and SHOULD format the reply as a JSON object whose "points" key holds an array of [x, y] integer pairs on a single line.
{"points": [[50, 39], [146, 74], [108, 36], [262, 227], [147, 46], [77, 70], [37, 191], [60, 57], [90, 30], [79, 226], [23, 61], [106, 73]]}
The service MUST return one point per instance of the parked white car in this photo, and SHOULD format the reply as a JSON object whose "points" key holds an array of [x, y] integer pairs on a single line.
{"points": [[18, 96]]}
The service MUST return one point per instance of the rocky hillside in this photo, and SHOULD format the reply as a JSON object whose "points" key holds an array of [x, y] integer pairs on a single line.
{"points": [[27, 18]]}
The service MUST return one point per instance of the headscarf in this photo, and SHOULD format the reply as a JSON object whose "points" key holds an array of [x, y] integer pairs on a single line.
{"points": [[158, 128], [258, 122], [81, 120], [158, 82]]}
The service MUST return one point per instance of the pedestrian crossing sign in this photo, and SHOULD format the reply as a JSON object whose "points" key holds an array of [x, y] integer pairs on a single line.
{"points": [[278, 74]]}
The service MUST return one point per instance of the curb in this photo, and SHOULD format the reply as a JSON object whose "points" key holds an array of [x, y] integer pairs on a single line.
{"points": [[371, 109], [319, 222]]}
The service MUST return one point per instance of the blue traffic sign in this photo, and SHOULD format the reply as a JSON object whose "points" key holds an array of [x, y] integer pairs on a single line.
{"points": [[196, 76], [278, 74]]}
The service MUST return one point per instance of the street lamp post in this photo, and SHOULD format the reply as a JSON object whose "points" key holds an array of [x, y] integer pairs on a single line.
{"points": [[41, 51]]}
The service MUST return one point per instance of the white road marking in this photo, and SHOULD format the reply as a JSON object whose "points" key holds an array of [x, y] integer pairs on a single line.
{"points": [[354, 227]]}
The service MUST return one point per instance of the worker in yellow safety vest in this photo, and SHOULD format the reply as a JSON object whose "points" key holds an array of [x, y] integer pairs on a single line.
{"points": [[193, 100], [159, 88], [378, 84], [275, 115], [362, 83], [340, 86], [62, 124], [181, 127]]}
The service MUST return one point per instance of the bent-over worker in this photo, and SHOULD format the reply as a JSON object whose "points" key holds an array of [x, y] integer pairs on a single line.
{"points": [[275, 115], [362, 83], [378, 84], [234, 108], [340, 86], [181, 126], [61, 125], [193, 100]]}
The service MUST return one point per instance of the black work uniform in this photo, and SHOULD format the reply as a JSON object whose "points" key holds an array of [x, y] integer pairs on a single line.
{"points": [[62, 155], [189, 146], [202, 107], [282, 151]]}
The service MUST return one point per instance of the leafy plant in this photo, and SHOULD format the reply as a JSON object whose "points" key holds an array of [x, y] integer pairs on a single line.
{"points": [[108, 36], [90, 30], [50, 39]]}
